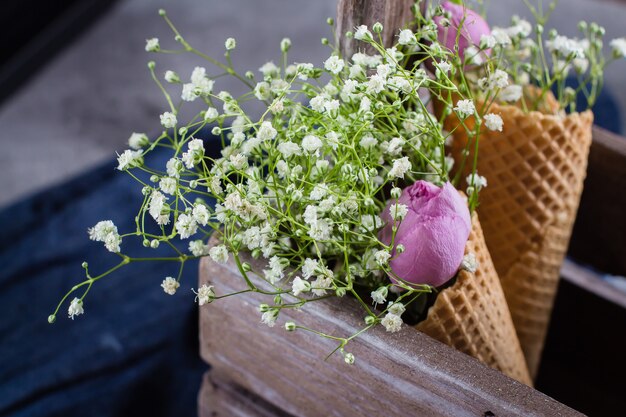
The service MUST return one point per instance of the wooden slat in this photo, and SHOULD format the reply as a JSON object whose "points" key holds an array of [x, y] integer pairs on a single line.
{"points": [[406, 373], [599, 236], [393, 14], [220, 397]]}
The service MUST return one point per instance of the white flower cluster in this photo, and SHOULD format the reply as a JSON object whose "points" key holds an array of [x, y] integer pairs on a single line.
{"points": [[304, 186], [105, 231]]}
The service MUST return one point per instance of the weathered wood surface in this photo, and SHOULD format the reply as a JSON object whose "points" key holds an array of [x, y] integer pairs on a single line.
{"points": [[220, 397], [393, 14], [406, 373], [599, 236]]}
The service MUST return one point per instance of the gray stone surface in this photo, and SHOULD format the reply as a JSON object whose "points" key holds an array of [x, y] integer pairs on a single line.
{"points": [[82, 107]]}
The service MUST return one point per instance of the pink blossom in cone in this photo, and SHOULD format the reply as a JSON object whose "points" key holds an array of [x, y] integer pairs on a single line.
{"points": [[433, 233], [470, 24]]}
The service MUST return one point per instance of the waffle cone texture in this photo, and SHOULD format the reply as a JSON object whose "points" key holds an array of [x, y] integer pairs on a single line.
{"points": [[472, 315], [535, 170]]}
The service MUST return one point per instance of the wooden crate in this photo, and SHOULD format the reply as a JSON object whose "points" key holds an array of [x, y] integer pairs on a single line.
{"points": [[269, 372]]}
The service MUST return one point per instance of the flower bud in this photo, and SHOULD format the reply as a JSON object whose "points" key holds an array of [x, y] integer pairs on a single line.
{"points": [[437, 218], [369, 320], [348, 358], [230, 44], [52, 318], [285, 44], [249, 75], [85, 265], [246, 267], [290, 326], [278, 300], [146, 243], [216, 131], [340, 292], [330, 21], [399, 249], [154, 243], [263, 308], [324, 41], [377, 27]]}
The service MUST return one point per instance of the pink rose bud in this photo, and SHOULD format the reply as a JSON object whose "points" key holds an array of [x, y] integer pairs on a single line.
{"points": [[433, 232], [469, 23]]}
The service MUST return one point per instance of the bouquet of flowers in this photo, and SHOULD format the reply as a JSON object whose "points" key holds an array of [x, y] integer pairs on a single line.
{"points": [[342, 184]]}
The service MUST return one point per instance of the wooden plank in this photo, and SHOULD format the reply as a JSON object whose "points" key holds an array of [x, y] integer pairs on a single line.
{"points": [[599, 235], [393, 14], [220, 397], [406, 373], [592, 282]]}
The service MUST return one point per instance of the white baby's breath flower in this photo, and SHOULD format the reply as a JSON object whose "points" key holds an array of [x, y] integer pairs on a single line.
{"points": [[158, 209], [129, 159], [198, 248], [465, 107], [311, 143], [499, 79], [105, 231], [382, 257], [75, 308], [477, 181], [362, 33], [152, 45], [168, 185], [173, 167], [269, 69], [262, 91], [406, 37], [511, 93], [392, 323], [400, 167], [170, 285], [171, 77], [334, 64], [365, 104], [238, 162], [500, 36], [112, 242], [201, 214], [204, 295], [299, 286], [138, 140], [289, 149], [188, 92], [219, 254], [266, 131], [493, 122], [487, 41], [469, 263], [379, 296], [368, 142], [396, 308], [618, 46], [376, 84], [100, 231], [269, 317], [398, 211], [277, 106], [186, 226], [168, 120], [230, 44], [211, 114], [194, 154], [331, 105]]}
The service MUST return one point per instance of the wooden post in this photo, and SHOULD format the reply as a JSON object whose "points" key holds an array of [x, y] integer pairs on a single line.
{"points": [[393, 14]]}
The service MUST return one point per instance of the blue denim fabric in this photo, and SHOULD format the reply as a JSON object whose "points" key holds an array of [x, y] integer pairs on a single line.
{"points": [[135, 350]]}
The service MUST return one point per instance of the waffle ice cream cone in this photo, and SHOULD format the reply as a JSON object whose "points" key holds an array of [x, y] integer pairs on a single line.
{"points": [[472, 315], [535, 170]]}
